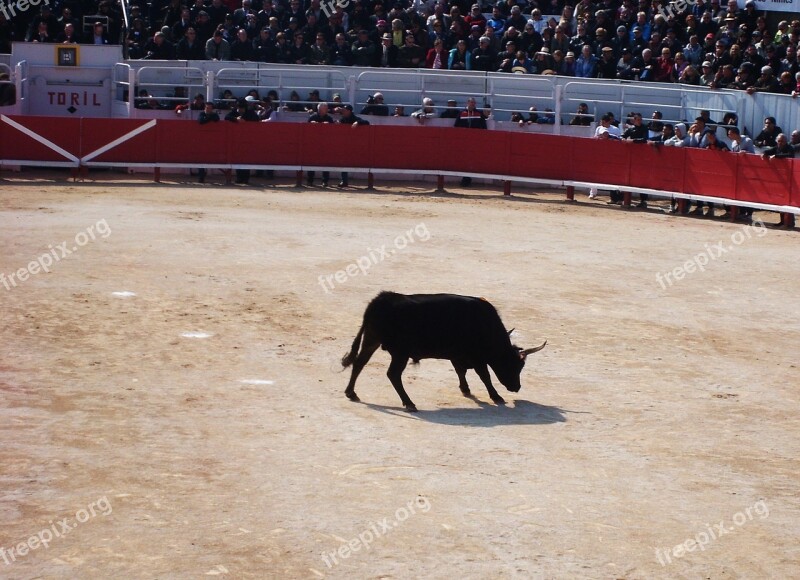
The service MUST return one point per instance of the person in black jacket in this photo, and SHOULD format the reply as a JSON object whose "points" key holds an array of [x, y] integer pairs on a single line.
{"points": [[470, 118], [209, 115], [243, 113], [189, 48], [321, 116], [349, 118], [637, 133]]}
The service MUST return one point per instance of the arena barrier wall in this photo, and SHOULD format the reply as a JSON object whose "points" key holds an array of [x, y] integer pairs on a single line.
{"points": [[734, 179]]}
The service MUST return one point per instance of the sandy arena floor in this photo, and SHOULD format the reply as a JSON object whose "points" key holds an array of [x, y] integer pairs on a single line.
{"points": [[199, 428]]}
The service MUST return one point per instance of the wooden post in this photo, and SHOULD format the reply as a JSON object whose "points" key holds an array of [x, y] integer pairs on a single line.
{"points": [[299, 182], [439, 183], [626, 199], [570, 193], [682, 203], [734, 212], [157, 175], [370, 181], [506, 187]]}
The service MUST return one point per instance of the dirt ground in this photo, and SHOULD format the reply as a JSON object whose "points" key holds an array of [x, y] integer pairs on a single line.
{"points": [[199, 427]]}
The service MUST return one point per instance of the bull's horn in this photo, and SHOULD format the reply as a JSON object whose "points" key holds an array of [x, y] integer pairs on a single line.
{"points": [[528, 351], [510, 331]]}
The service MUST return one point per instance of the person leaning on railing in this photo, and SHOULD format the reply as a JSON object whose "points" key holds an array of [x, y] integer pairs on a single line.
{"points": [[470, 118]]}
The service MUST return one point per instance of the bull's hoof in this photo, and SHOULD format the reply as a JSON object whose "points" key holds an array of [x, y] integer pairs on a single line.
{"points": [[411, 408], [499, 401], [466, 392], [352, 396]]}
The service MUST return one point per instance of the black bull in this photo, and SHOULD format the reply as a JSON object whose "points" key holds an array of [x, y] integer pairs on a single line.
{"points": [[466, 331]]}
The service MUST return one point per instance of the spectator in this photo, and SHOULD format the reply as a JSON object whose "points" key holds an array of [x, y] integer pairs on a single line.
{"points": [[264, 46], [582, 116], [68, 35], [680, 138], [740, 143], [321, 116], [217, 48], [437, 57], [586, 65], [399, 111], [341, 55], [451, 112], [100, 36], [209, 115], [470, 118], [319, 53], [375, 106], [242, 47], [387, 56], [768, 135], [483, 57], [522, 63], [664, 69], [159, 48], [460, 58], [410, 55], [605, 130], [690, 76], [364, 51], [766, 83], [426, 112], [196, 104], [795, 140], [282, 52], [781, 150], [655, 127], [294, 105], [189, 48], [348, 118], [41, 34], [299, 49], [243, 113], [637, 133]]}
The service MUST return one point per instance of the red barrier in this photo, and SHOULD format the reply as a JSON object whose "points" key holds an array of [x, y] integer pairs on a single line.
{"points": [[503, 154], [541, 157], [657, 167], [98, 134], [763, 181], [36, 139], [711, 173]]}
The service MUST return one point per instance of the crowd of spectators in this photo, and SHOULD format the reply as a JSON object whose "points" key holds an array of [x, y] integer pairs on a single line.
{"points": [[708, 43], [62, 22], [771, 142]]}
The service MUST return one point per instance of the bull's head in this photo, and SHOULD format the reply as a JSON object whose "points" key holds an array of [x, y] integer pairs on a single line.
{"points": [[509, 370]]}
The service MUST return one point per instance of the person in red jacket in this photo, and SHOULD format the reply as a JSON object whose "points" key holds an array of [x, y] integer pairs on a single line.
{"points": [[470, 118]]}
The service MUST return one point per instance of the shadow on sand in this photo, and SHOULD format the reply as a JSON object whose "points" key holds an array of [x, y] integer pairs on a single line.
{"points": [[484, 415]]}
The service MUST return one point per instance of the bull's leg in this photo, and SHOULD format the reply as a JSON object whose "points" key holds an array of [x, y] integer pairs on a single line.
{"points": [[395, 374], [483, 373], [461, 371], [368, 347]]}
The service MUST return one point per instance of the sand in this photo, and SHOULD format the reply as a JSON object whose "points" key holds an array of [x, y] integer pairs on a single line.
{"points": [[172, 393]]}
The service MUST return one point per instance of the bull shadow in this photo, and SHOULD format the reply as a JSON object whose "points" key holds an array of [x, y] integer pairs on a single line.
{"points": [[519, 412]]}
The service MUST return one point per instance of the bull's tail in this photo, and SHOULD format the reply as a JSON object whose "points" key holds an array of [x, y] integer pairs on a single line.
{"points": [[350, 357]]}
